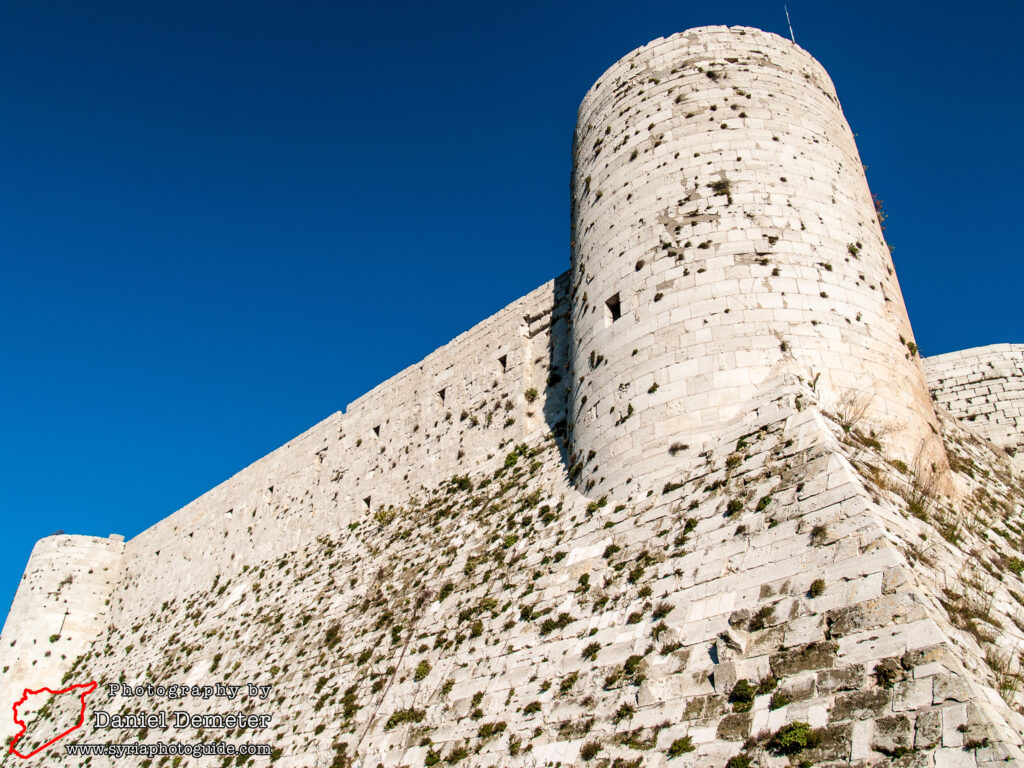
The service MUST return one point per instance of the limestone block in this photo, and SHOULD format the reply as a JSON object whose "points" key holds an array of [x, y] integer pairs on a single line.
{"points": [[954, 758], [911, 695], [954, 725], [950, 687], [928, 729]]}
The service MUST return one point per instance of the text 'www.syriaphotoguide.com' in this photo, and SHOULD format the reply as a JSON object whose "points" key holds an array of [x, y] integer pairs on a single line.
{"points": [[159, 749]]}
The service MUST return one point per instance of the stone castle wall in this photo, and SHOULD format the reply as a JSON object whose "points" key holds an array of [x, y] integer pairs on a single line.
{"points": [[467, 401], [60, 607], [724, 240], [721, 213], [984, 387]]}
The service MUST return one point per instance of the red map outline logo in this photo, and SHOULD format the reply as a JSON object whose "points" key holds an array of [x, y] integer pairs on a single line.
{"points": [[87, 688]]}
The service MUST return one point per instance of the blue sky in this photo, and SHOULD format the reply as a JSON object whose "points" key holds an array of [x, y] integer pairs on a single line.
{"points": [[221, 222]]}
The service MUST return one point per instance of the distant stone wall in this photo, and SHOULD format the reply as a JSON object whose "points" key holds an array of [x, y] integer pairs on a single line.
{"points": [[724, 232], [983, 387], [59, 609], [471, 399]]}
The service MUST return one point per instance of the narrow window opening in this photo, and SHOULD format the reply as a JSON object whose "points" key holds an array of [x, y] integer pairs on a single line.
{"points": [[441, 394], [503, 361], [612, 309], [366, 501], [376, 430]]}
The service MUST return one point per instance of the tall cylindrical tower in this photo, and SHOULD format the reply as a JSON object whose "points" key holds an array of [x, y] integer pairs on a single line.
{"points": [[724, 232]]}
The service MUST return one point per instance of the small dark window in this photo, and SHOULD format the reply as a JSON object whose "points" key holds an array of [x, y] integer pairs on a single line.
{"points": [[503, 362], [613, 309], [441, 394], [376, 430], [366, 501]]}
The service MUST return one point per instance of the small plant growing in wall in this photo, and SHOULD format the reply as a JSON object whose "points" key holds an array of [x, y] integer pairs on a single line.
{"points": [[888, 673], [422, 670], [742, 760], [742, 696], [624, 712], [590, 750], [761, 618], [793, 738], [661, 611], [681, 747], [402, 716], [567, 683], [722, 186]]}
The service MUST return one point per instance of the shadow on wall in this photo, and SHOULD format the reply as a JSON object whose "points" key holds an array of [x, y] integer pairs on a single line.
{"points": [[556, 401]]}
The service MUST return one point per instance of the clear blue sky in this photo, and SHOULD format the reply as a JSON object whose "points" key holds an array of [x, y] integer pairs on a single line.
{"points": [[222, 221]]}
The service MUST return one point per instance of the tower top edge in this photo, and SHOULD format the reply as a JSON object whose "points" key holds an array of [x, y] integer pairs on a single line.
{"points": [[694, 35]]}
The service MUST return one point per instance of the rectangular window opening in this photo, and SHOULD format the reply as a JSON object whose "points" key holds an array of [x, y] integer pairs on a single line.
{"points": [[612, 309]]}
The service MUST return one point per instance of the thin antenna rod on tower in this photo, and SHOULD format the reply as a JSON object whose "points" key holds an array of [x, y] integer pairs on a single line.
{"points": [[790, 24]]}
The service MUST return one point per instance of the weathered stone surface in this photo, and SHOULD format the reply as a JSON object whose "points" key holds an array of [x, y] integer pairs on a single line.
{"points": [[735, 726], [920, 656], [954, 725], [911, 695], [909, 760], [704, 707], [893, 735], [950, 687], [805, 658], [835, 743], [725, 676], [954, 758], [928, 729], [841, 679], [861, 704], [882, 611], [799, 688]]}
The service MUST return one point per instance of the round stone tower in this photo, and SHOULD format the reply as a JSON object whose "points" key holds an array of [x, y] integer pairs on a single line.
{"points": [[723, 235]]}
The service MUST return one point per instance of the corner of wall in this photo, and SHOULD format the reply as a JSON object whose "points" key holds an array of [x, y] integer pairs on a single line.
{"points": [[59, 608]]}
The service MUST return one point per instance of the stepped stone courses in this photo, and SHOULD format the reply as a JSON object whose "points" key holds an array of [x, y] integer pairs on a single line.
{"points": [[663, 513], [984, 387]]}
